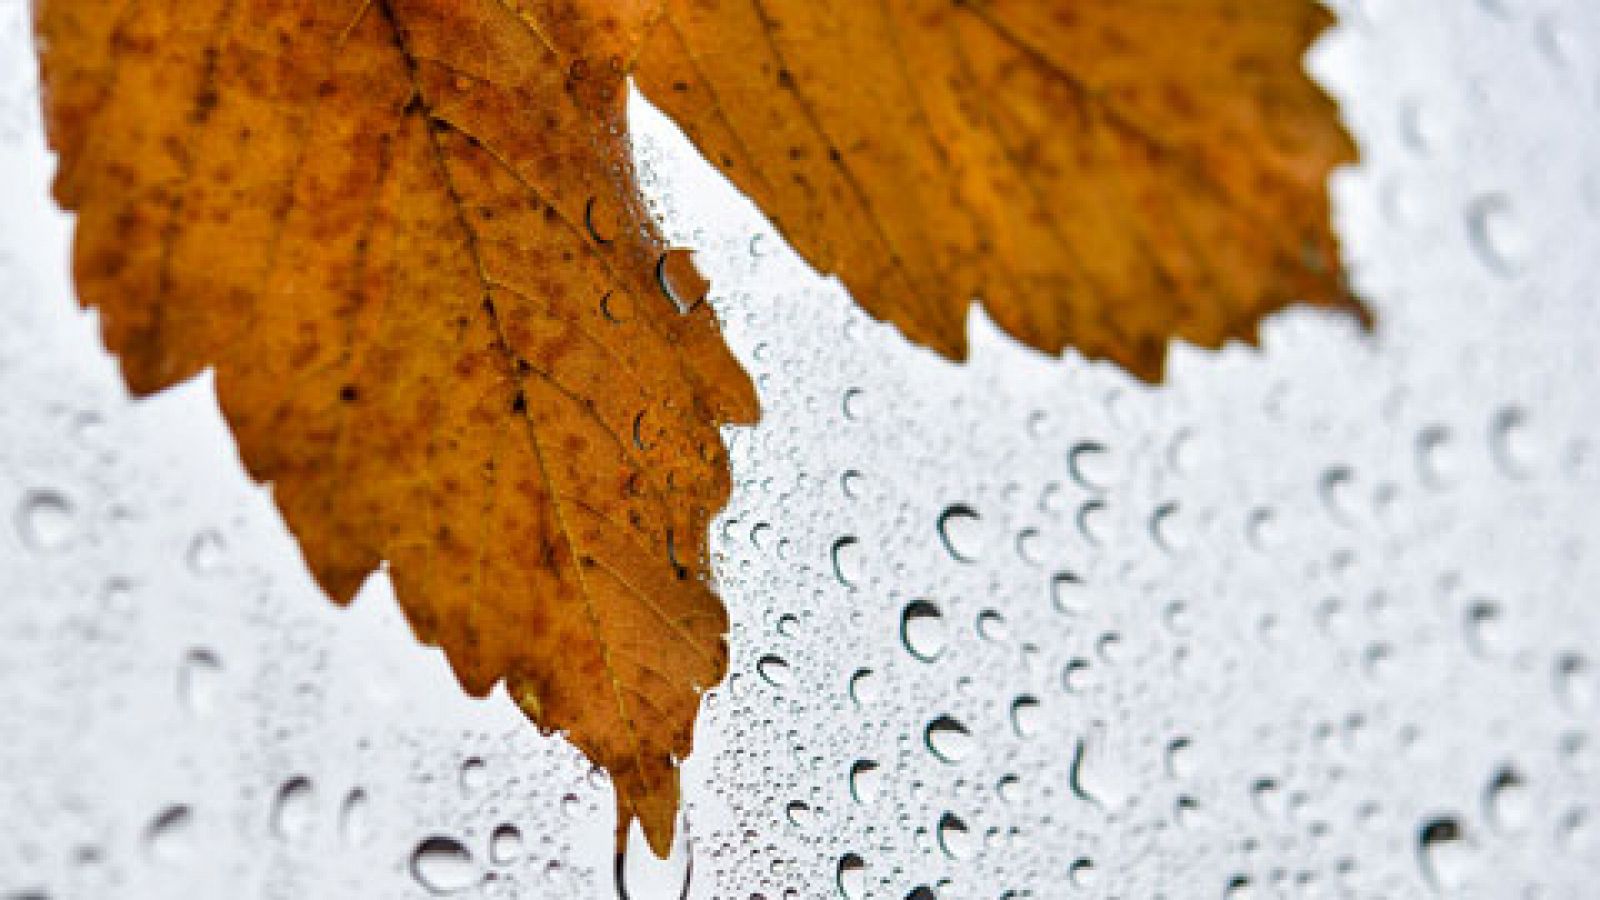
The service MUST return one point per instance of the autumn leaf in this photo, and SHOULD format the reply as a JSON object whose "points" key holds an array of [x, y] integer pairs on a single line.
{"points": [[1106, 175], [412, 250], [407, 236]]}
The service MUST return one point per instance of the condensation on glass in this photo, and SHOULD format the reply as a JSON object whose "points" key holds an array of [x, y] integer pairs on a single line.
{"points": [[1317, 620]]}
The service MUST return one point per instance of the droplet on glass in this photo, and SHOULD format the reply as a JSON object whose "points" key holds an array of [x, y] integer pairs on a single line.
{"points": [[1027, 717], [1067, 593], [1091, 465], [774, 670], [1575, 683], [292, 809], [1506, 801], [46, 520], [169, 836], [954, 838], [206, 552], [505, 844], [354, 827], [864, 687], [443, 866], [847, 561], [960, 529], [948, 739], [1444, 853], [1511, 442], [1497, 234], [992, 626], [199, 681], [922, 630], [866, 778], [852, 877]]}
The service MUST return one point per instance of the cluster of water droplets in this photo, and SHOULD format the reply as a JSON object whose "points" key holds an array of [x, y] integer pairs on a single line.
{"points": [[1308, 621]]}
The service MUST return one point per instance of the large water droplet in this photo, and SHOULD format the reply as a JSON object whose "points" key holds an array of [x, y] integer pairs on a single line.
{"points": [[948, 739], [922, 630], [443, 866]]}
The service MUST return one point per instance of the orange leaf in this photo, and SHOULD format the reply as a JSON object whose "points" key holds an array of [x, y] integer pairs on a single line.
{"points": [[1105, 174], [410, 245]]}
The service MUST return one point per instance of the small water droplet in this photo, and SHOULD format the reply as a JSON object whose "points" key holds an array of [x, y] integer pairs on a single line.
{"points": [[960, 529], [1092, 465], [1506, 800], [774, 670], [922, 630], [473, 775], [505, 844], [169, 836], [948, 740], [847, 561], [1067, 593], [292, 810], [199, 681], [46, 520], [852, 877], [1444, 853], [954, 838], [1575, 683], [1082, 873], [992, 626], [1026, 716], [354, 827], [866, 779], [864, 687], [799, 814], [206, 552], [443, 866], [1497, 234], [1511, 442]]}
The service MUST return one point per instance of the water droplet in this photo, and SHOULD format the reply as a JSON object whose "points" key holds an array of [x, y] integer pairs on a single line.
{"points": [[1497, 234], [1067, 593], [1444, 854], [864, 687], [1026, 716], [206, 552], [992, 626], [847, 561], [1077, 676], [948, 740], [1575, 683], [354, 827], [1485, 629], [866, 779], [960, 528], [505, 844], [46, 520], [199, 681], [922, 630], [1436, 457], [1092, 465], [1082, 873], [1506, 801], [474, 775], [954, 839], [799, 814], [853, 405], [443, 866], [169, 836], [852, 877], [1181, 762], [1511, 442], [774, 670], [1094, 775], [292, 810]]}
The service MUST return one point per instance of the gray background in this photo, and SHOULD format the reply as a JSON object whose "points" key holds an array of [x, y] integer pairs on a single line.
{"points": [[1310, 621]]}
